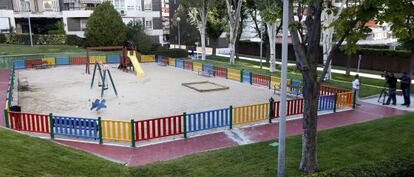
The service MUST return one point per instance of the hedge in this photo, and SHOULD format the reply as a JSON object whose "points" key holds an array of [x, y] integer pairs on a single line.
{"points": [[399, 166], [174, 53], [42, 39]]}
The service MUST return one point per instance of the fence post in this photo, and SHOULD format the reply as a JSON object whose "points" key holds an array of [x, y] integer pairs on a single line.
{"points": [[227, 73], [231, 117], [354, 99], [271, 101], [51, 123], [132, 133], [185, 125], [251, 78], [241, 75], [336, 99], [100, 129], [6, 117]]}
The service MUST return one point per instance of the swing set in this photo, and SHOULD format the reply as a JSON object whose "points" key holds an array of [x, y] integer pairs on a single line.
{"points": [[103, 77]]}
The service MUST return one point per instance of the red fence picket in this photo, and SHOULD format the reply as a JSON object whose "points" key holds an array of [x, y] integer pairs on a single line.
{"points": [[220, 72], [78, 60], [188, 65], [30, 62], [158, 127], [260, 79], [295, 107], [29, 122], [328, 90], [276, 109]]}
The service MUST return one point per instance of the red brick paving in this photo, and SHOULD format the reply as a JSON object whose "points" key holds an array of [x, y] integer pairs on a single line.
{"points": [[173, 149]]}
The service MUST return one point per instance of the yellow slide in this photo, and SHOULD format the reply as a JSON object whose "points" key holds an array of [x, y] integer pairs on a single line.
{"points": [[135, 63]]}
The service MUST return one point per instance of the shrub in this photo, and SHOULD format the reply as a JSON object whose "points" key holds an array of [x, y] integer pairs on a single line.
{"points": [[75, 40], [174, 53], [136, 33], [2, 38], [401, 166]]}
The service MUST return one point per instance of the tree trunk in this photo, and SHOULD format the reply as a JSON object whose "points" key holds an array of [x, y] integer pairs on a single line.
{"points": [[411, 62], [214, 46], [237, 44], [203, 44], [271, 29], [308, 161], [348, 65]]}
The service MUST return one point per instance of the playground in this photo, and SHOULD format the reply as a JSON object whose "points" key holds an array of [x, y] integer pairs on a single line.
{"points": [[65, 90]]}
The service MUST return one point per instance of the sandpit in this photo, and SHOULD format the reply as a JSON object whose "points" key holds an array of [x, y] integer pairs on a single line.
{"points": [[65, 90]]}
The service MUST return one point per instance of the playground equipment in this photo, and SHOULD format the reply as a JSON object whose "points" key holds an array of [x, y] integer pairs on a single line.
{"points": [[103, 77], [98, 104], [134, 60], [108, 48]]}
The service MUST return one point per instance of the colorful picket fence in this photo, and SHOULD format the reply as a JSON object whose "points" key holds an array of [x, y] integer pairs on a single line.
{"points": [[158, 127], [326, 102], [113, 59], [247, 76], [295, 107], [38, 123], [75, 127], [179, 63], [197, 66], [188, 65], [275, 109], [250, 113], [97, 59], [328, 90], [344, 99], [207, 120], [233, 74], [260, 79], [220, 72], [171, 61], [78, 60], [209, 68], [49, 60], [62, 60], [116, 130], [147, 58]]}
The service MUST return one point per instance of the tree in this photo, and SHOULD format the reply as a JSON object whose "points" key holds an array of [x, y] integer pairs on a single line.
{"points": [[197, 11], [400, 15], [58, 28], [233, 12], [253, 12], [270, 14], [136, 33], [243, 17], [188, 32], [306, 44], [216, 23], [105, 27]]}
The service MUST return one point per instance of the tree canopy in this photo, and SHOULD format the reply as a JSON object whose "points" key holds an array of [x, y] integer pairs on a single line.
{"points": [[105, 27]]}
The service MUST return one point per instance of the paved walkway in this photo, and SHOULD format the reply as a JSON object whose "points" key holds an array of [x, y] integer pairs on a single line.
{"points": [[4, 84], [173, 149]]}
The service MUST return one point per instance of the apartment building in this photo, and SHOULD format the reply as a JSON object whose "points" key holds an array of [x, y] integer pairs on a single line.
{"points": [[74, 14]]}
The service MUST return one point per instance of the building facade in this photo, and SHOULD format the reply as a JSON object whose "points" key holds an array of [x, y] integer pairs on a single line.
{"points": [[74, 14]]}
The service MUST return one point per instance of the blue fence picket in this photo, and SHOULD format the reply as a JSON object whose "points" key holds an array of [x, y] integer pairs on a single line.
{"points": [[19, 64], [326, 102], [209, 68], [113, 59], [179, 63], [246, 76], [63, 60], [158, 59], [207, 120], [76, 127]]}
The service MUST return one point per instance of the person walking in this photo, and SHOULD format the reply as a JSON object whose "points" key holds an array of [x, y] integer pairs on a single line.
{"points": [[355, 88], [405, 87], [392, 88]]}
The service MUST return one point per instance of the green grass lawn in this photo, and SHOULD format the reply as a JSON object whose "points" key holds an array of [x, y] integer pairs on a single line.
{"points": [[369, 86], [8, 49], [351, 145]]}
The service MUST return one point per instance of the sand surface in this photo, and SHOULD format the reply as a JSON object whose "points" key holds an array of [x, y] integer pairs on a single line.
{"points": [[65, 91]]}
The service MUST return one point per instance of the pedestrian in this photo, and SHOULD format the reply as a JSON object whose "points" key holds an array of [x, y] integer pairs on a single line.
{"points": [[355, 88], [392, 88], [405, 87]]}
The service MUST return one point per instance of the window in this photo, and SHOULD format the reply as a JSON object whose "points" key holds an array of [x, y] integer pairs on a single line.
{"points": [[148, 24], [147, 4], [83, 24], [119, 4]]}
